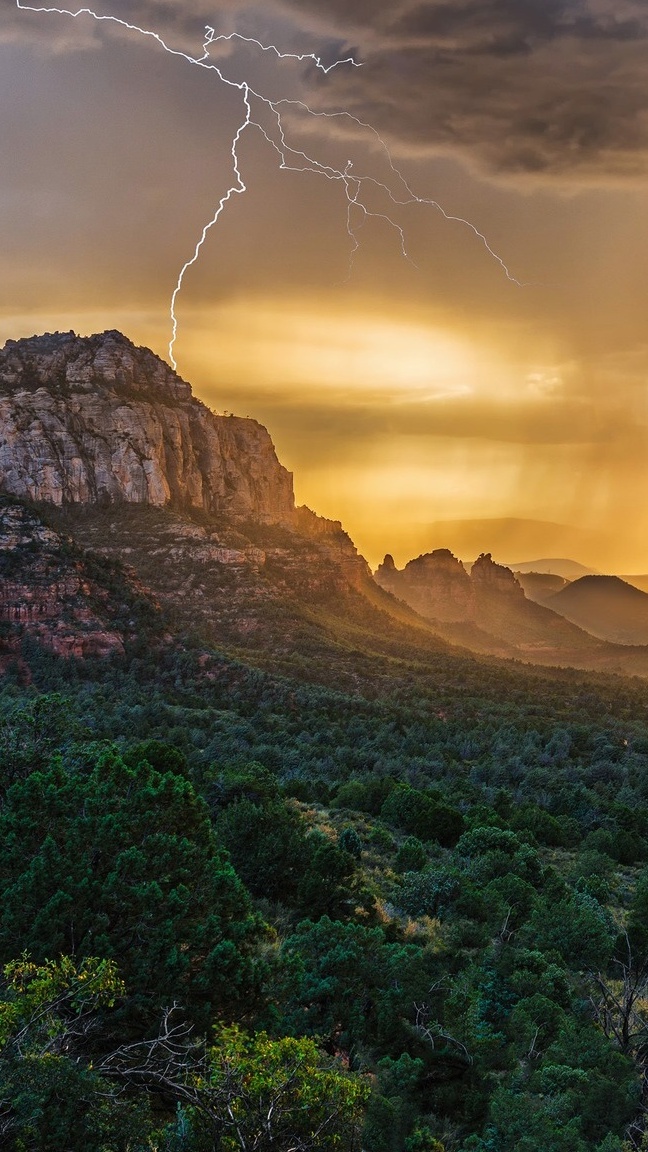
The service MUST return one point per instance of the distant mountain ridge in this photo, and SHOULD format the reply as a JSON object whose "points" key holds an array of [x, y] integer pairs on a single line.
{"points": [[490, 598], [605, 606], [488, 611], [640, 582], [103, 445], [539, 586], [568, 569]]}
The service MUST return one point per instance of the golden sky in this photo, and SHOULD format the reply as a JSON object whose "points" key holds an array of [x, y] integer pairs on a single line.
{"points": [[425, 401]]}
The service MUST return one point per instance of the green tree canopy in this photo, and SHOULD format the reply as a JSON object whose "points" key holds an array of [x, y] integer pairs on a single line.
{"points": [[121, 861], [49, 1098]]}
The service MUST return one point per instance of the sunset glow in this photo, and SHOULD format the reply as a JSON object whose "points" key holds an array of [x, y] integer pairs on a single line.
{"points": [[403, 393]]}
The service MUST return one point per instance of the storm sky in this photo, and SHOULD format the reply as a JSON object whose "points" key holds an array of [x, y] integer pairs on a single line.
{"points": [[428, 399]]}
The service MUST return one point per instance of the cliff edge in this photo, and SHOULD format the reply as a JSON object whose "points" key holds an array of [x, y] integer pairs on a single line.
{"points": [[98, 420]]}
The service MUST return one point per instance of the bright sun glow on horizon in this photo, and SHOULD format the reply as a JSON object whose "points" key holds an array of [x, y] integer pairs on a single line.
{"points": [[401, 393], [295, 345], [392, 422]]}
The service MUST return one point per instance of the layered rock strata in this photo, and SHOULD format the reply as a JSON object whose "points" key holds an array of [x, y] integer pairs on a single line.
{"points": [[106, 432], [97, 420], [47, 593], [438, 586], [435, 584]]}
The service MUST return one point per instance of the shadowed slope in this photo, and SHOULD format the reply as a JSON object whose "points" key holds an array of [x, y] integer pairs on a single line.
{"points": [[606, 606]]}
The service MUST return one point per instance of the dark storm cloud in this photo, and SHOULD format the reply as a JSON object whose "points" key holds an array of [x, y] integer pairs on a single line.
{"points": [[556, 87], [544, 87], [500, 27], [496, 21], [541, 87], [61, 32]]}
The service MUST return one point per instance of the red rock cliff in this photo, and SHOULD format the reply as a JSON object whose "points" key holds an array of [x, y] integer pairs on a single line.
{"points": [[96, 419]]}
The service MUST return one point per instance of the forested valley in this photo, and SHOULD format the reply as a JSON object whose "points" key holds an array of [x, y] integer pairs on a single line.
{"points": [[242, 910]]}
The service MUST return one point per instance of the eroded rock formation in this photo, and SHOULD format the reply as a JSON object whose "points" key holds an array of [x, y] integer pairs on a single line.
{"points": [[438, 586], [97, 420], [488, 576], [435, 584], [47, 592], [136, 469]]}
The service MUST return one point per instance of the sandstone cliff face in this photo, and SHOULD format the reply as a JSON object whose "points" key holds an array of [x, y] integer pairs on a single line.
{"points": [[487, 576], [97, 420], [436, 585], [334, 543], [46, 592], [137, 470]]}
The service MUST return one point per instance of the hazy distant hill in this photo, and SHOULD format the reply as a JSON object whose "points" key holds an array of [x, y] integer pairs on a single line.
{"points": [[640, 582], [102, 444], [568, 569], [487, 610], [539, 586], [502, 536], [606, 606]]}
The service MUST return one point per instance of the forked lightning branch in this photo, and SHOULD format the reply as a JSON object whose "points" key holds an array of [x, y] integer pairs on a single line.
{"points": [[355, 186]]}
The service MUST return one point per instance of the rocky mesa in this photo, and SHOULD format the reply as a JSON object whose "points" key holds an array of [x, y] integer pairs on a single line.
{"points": [[103, 445], [121, 494], [488, 611], [98, 420]]}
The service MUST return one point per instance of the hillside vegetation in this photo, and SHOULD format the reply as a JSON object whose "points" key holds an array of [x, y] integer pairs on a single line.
{"points": [[395, 901], [283, 866]]}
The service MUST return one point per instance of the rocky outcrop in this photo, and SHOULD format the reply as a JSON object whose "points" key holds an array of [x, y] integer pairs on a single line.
{"points": [[335, 545], [438, 586], [47, 592], [486, 609], [135, 469], [435, 584], [97, 420], [487, 576]]}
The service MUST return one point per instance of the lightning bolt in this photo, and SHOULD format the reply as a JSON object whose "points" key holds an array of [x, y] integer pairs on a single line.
{"points": [[291, 159]]}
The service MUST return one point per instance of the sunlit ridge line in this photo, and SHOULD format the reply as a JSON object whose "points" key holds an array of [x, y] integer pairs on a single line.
{"points": [[350, 182]]}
